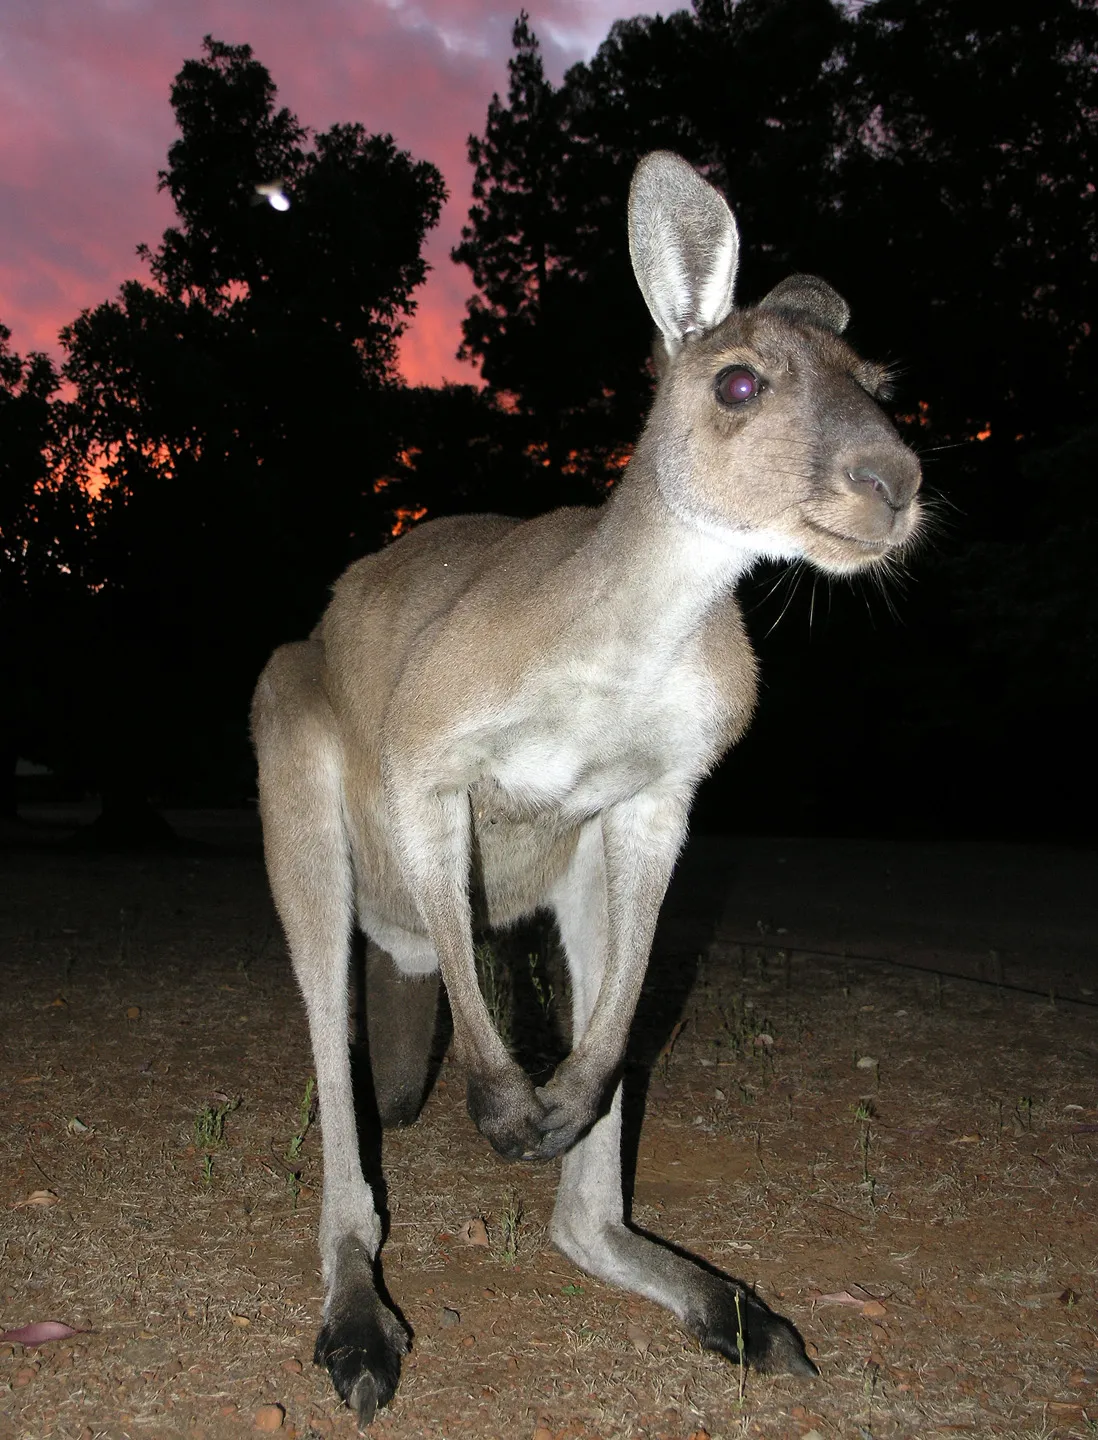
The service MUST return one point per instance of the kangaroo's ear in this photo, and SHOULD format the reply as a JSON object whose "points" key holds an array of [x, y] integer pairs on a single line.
{"points": [[685, 247], [807, 297]]}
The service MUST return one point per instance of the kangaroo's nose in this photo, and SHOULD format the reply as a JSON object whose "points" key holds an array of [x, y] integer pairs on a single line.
{"points": [[863, 475], [894, 486]]}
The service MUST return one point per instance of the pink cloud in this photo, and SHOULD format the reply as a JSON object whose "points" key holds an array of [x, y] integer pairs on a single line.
{"points": [[85, 124]]}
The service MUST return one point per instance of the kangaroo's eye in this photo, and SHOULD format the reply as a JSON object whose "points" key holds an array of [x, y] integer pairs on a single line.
{"points": [[737, 384]]}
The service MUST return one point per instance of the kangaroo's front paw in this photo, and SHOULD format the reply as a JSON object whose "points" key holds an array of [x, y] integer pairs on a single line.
{"points": [[507, 1113], [571, 1100]]}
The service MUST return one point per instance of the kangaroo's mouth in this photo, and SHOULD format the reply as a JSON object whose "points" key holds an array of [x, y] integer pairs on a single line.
{"points": [[870, 546]]}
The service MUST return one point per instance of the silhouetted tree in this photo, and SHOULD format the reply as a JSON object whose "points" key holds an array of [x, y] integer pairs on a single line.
{"points": [[937, 153], [235, 410], [46, 565], [931, 158], [741, 90]]}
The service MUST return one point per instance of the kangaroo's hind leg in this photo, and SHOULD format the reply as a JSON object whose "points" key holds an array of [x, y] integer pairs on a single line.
{"points": [[589, 1224], [401, 1011], [308, 862]]}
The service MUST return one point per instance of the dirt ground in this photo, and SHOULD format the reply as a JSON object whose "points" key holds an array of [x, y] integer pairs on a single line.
{"points": [[868, 1075]]}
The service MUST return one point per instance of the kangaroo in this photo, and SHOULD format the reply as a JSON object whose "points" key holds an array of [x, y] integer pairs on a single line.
{"points": [[514, 715]]}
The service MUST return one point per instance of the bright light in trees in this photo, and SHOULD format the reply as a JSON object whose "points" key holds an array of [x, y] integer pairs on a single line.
{"points": [[274, 194]]}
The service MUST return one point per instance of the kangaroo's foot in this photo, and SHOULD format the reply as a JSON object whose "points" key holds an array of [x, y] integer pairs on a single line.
{"points": [[507, 1112], [728, 1318], [723, 1313], [361, 1341]]}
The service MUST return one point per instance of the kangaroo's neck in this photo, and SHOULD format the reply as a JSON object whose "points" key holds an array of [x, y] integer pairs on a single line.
{"points": [[656, 572]]}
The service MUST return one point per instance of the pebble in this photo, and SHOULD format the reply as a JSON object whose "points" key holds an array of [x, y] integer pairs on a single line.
{"points": [[269, 1417], [449, 1317], [293, 1366]]}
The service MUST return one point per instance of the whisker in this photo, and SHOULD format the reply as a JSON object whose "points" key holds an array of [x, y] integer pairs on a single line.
{"points": [[793, 590]]}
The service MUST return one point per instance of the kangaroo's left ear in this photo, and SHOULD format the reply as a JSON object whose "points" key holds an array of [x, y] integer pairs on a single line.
{"points": [[685, 247], [807, 297]]}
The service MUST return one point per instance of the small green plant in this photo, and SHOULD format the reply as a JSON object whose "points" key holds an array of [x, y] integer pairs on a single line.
{"points": [[863, 1115], [741, 1348], [306, 1114], [544, 994], [571, 1289], [510, 1223], [495, 985], [209, 1132]]}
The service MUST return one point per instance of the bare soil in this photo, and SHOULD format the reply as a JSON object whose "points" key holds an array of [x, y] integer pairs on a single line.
{"points": [[868, 1078]]}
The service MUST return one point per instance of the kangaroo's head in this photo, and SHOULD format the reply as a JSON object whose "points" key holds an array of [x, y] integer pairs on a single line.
{"points": [[766, 424]]}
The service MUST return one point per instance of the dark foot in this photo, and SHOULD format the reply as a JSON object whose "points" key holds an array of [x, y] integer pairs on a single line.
{"points": [[401, 1109], [748, 1330], [507, 1113], [361, 1344], [571, 1100]]}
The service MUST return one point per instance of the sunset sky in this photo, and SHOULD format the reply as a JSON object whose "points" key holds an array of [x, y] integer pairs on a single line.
{"points": [[85, 125]]}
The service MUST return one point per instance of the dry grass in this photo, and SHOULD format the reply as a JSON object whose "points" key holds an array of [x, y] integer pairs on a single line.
{"points": [[949, 1181]]}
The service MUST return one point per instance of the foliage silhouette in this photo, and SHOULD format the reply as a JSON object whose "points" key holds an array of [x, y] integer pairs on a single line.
{"points": [[235, 413], [240, 416]]}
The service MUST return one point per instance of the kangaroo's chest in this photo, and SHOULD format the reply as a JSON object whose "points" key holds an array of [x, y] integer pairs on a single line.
{"points": [[585, 735]]}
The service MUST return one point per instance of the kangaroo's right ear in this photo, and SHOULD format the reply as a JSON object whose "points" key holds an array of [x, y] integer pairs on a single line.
{"points": [[685, 247]]}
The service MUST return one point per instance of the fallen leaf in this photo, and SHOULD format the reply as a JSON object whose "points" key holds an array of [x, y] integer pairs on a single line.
{"points": [[868, 1062], [473, 1232], [38, 1334], [240, 1321], [638, 1338], [37, 1197], [840, 1297], [76, 1126], [766, 1041], [967, 1140], [857, 1297]]}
